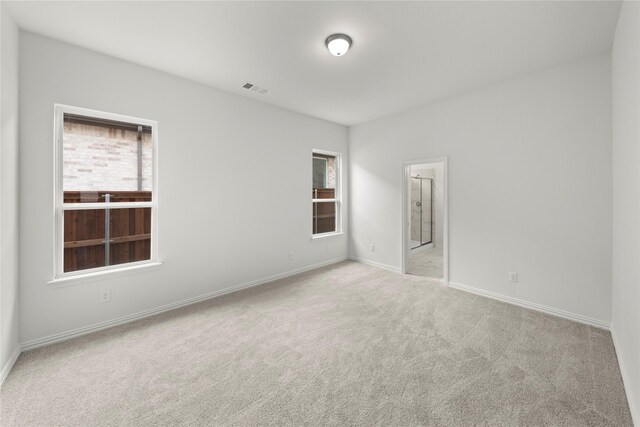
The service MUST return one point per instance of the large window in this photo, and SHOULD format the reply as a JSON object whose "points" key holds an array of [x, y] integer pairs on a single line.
{"points": [[106, 193], [326, 192]]}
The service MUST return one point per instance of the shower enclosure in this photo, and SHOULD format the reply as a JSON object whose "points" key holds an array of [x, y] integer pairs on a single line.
{"points": [[421, 211]]}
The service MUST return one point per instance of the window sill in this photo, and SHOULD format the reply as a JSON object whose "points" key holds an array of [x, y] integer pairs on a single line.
{"points": [[323, 235], [104, 274]]}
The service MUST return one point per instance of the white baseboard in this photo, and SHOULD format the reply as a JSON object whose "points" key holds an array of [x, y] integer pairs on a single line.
{"points": [[63, 336], [376, 264], [7, 366], [533, 306], [626, 380]]}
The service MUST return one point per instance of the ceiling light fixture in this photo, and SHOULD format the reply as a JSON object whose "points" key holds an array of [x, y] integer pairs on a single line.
{"points": [[338, 44]]}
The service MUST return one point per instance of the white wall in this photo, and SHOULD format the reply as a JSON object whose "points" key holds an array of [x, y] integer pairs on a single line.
{"points": [[626, 199], [9, 318], [529, 185], [219, 226]]}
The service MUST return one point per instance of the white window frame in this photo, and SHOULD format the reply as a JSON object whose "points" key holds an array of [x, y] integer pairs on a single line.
{"points": [[337, 200], [59, 207]]}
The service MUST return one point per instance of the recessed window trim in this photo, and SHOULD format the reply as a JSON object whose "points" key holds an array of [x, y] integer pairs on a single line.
{"points": [[59, 206], [338, 196]]}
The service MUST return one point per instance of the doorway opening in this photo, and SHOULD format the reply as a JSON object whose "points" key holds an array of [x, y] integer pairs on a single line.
{"points": [[425, 251]]}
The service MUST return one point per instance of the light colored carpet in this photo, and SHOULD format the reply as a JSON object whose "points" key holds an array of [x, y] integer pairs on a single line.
{"points": [[348, 344], [426, 263]]}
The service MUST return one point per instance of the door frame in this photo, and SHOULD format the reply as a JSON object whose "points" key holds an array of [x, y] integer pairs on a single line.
{"points": [[406, 175]]}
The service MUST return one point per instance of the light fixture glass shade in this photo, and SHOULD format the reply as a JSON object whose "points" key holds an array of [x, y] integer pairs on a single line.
{"points": [[338, 44]]}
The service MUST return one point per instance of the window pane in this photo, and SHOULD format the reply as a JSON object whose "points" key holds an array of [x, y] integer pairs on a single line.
{"points": [[106, 157], [84, 239], [130, 235], [86, 244], [324, 217], [319, 172], [324, 171]]}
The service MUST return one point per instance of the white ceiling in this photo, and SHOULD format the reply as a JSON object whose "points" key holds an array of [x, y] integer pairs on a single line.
{"points": [[404, 54]]}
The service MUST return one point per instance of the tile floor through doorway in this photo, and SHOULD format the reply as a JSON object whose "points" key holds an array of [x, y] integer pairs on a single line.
{"points": [[426, 263]]}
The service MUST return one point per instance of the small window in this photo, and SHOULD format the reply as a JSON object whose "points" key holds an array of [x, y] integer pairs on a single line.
{"points": [[326, 193], [106, 194]]}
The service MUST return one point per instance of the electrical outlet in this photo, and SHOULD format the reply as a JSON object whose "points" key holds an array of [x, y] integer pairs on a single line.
{"points": [[105, 296], [291, 256], [372, 247], [513, 277]]}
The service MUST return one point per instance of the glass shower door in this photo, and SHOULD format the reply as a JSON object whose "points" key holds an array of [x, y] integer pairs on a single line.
{"points": [[421, 211], [427, 210]]}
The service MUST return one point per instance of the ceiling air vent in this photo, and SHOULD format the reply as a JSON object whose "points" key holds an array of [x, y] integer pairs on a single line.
{"points": [[254, 88]]}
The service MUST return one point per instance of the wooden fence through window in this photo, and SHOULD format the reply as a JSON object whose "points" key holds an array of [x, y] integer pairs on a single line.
{"points": [[324, 214], [84, 230]]}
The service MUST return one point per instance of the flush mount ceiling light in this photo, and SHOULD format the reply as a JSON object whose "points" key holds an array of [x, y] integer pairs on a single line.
{"points": [[338, 44]]}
